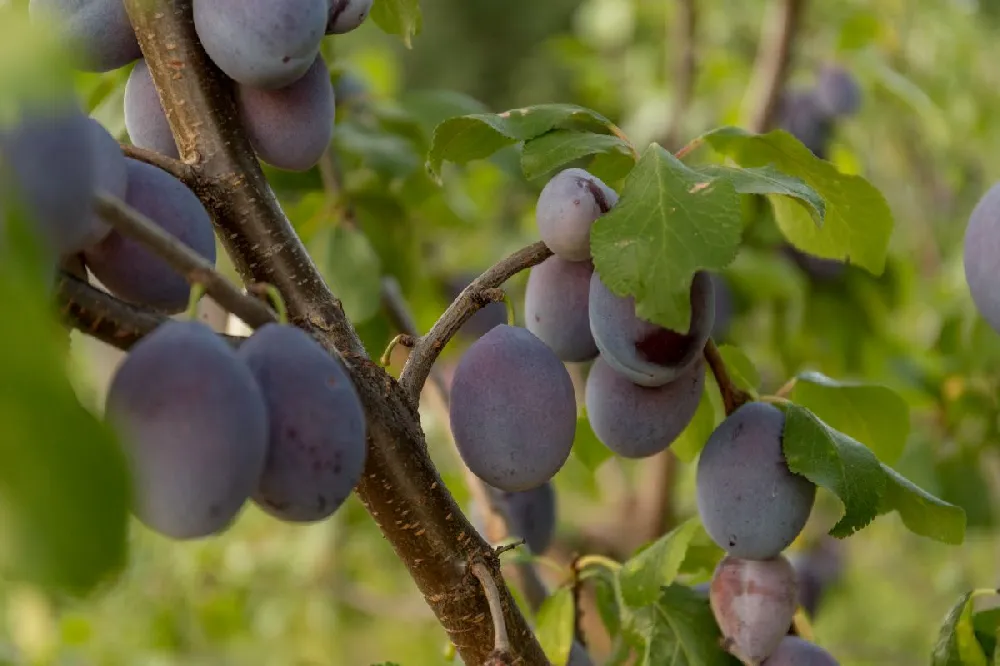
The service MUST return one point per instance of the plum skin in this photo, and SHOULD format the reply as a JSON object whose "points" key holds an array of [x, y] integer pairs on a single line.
{"points": [[513, 409], [316, 445], [193, 424], [751, 504], [556, 307]]}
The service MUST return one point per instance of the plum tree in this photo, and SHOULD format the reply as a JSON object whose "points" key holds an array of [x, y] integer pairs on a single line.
{"points": [[751, 504], [193, 424], [795, 651], [316, 445], [566, 209], [754, 603], [46, 145], [648, 354], [531, 514], [130, 270], [556, 307], [513, 409], [145, 121], [262, 43], [638, 421], [347, 15], [981, 255], [290, 127], [98, 30]]}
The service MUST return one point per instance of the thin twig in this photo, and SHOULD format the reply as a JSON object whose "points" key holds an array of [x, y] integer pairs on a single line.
{"points": [[195, 268], [774, 55], [500, 641], [685, 71], [179, 170], [732, 396], [472, 298]]}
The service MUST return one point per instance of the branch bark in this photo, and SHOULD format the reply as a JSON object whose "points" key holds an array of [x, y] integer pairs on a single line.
{"points": [[195, 268], [430, 346], [101, 315], [774, 55], [401, 489]]}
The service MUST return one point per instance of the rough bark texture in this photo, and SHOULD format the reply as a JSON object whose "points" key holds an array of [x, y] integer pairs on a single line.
{"points": [[401, 488]]}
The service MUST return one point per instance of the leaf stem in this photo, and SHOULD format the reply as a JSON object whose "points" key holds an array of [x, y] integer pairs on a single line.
{"points": [[691, 145], [403, 339], [732, 396], [599, 561], [197, 291]]}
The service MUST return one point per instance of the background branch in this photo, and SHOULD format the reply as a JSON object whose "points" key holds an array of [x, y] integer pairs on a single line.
{"points": [[101, 315], [401, 488], [195, 268], [430, 346], [684, 38], [774, 55]]}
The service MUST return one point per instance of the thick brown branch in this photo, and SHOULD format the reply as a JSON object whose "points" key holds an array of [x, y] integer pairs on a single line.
{"points": [[401, 489], [176, 168], [774, 55], [685, 69], [195, 268], [430, 346], [101, 315], [732, 395]]}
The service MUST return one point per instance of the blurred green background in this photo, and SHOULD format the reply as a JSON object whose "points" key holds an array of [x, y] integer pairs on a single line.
{"points": [[927, 135]]}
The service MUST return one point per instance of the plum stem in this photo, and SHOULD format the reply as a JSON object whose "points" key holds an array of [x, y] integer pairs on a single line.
{"points": [[501, 643], [481, 292], [271, 293], [195, 268], [197, 292], [403, 340], [733, 397]]}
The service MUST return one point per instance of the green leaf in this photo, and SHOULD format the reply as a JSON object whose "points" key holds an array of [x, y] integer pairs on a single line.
{"points": [[678, 630], [351, 267], [587, 447], [670, 222], [957, 644], [398, 17], [921, 512], [555, 149], [476, 136], [643, 575], [689, 443], [869, 413], [554, 625], [740, 367], [64, 484], [768, 180], [858, 222], [834, 461]]}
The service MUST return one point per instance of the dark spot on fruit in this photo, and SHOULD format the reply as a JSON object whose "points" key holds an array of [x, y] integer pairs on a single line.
{"points": [[286, 59], [291, 432], [214, 510], [737, 431], [663, 347], [732, 541]]}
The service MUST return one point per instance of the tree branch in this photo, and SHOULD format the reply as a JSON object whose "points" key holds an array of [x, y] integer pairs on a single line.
{"points": [[176, 168], [430, 346], [195, 268], [732, 396], [101, 315], [774, 55], [400, 488], [685, 70]]}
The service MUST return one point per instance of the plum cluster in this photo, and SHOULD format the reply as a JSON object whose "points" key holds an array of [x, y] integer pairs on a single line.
{"points": [[271, 51], [207, 427], [753, 506]]}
